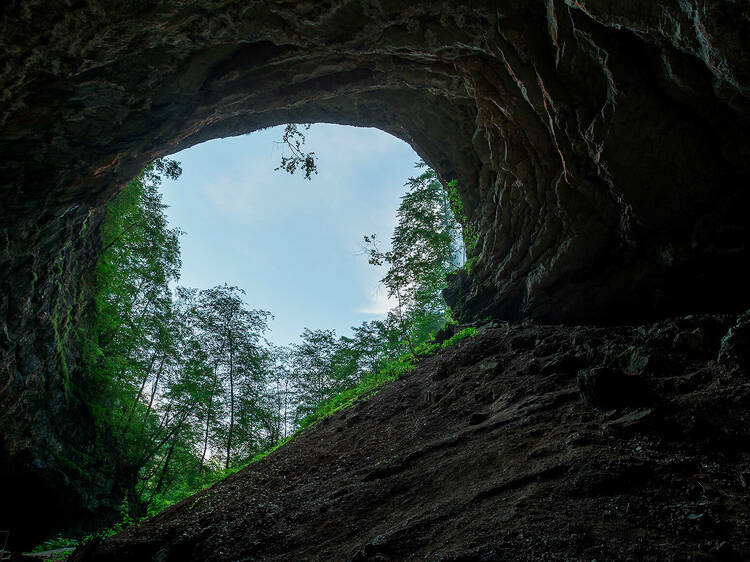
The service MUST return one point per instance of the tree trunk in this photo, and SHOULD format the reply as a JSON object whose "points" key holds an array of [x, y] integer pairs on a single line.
{"points": [[286, 402], [403, 324], [231, 401], [165, 467], [154, 388], [208, 420], [140, 391], [166, 438]]}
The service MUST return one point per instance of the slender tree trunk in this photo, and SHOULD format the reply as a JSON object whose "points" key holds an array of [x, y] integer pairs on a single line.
{"points": [[285, 396], [165, 419], [143, 386], [165, 467], [154, 388], [231, 401], [166, 438], [208, 420], [403, 324]]}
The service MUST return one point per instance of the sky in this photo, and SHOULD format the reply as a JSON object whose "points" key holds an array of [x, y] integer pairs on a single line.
{"points": [[294, 246]]}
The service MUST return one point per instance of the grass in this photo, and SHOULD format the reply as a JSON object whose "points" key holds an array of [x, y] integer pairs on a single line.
{"points": [[368, 386], [54, 544], [373, 383]]}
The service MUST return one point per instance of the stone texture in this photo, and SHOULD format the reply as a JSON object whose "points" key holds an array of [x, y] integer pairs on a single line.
{"points": [[735, 345], [605, 387], [600, 147]]}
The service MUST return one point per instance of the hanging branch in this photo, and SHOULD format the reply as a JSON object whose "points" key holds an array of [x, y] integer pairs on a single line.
{"points": [[294, 139]]}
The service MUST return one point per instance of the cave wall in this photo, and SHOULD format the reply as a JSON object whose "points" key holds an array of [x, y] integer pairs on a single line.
{"points": [[600, 147]]}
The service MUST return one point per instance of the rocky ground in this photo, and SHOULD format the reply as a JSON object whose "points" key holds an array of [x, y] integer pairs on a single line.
{"points": [[524, 443]]}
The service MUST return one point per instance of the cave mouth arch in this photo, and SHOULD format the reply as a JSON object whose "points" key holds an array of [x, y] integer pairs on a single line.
{"points": [[602, 147], [135, 297]]}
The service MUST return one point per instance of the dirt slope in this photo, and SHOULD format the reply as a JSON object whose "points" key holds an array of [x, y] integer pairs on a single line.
{"points": [[489, 452]]}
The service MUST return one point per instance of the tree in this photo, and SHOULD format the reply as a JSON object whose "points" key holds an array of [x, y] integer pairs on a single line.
{"points": [[140, 256], [377, 342], [192, 386], [312, 368], [425, 246], [233, 336], [133, 350], [279, 395], [202, 354]]}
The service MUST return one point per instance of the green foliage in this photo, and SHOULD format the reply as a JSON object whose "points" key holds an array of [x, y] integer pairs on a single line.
{"points": [[182, 376], [469, 265], [323, 365], [134, 348], [373, 382], [470, 233], [454, 198], [126, 520], [228, 334], [425, 247], [392, 371], [430, 347], [294, 139], [54, 544], [370, 384]]}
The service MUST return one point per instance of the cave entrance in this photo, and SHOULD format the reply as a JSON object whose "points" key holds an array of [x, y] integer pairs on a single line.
{"points": [[195, 382]]}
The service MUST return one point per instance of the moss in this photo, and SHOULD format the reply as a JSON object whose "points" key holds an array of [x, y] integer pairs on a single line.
{"points": [[60, 341], [77, 465], [469, 231], [62, 329], [85, 223], [387, 462]]}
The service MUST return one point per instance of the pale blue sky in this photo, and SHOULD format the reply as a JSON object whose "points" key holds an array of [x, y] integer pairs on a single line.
{"points": [[294, 245]]}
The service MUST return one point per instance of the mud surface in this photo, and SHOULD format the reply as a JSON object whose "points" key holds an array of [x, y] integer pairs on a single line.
{"points": [[489, 452]]}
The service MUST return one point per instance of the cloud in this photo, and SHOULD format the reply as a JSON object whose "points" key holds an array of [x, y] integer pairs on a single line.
{"points": [[378, 303], [230, 198]]}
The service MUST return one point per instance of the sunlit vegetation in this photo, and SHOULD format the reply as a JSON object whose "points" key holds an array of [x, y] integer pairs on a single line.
{"points": [[191, 387]]}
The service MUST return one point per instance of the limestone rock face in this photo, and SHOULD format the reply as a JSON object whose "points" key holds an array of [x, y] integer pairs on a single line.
{"points": [[600, 148]]}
